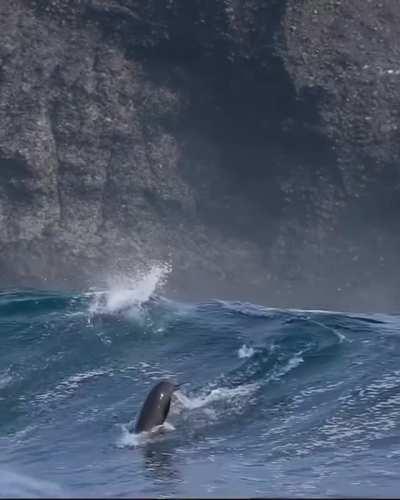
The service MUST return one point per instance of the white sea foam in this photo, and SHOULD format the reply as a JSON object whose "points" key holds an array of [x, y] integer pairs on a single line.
{"points": [[246, 352], [293, 363], [130, 292], [22, 434], [5, 379], [221, 393], [258, 310], [69, 385], [335, 331], [73, 381], [131, 439], [296, 360], [320, 390]]}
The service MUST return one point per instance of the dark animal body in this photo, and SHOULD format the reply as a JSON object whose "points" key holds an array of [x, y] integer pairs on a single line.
{"points": [[156, 407]]}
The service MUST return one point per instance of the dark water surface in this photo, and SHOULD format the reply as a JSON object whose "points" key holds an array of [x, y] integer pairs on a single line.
{"points": [[275, 402]]}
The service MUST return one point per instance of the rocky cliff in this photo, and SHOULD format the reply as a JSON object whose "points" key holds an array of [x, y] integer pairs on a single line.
{"points": [[252, 144]]}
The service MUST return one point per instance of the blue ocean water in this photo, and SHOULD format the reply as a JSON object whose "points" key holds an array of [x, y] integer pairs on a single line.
{"points": [[274, 402]]}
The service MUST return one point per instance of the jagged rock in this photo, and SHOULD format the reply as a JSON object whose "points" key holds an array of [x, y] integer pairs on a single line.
{"points": [[254, 145]]}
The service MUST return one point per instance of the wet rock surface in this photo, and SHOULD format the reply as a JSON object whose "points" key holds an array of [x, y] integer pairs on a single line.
{"points": [[253, 145]]}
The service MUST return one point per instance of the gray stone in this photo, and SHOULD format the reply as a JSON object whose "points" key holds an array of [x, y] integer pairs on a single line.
{"points": [[253, 145]]}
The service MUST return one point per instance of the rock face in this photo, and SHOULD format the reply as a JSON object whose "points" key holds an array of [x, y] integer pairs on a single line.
{"points": [[254, 145]]}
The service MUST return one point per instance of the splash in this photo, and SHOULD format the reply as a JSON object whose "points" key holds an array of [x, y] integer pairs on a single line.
{"points": [[128, 294], [221, 393], [129, 439], [245, 352]]}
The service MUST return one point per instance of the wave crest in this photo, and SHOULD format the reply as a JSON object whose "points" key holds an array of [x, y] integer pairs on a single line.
{"points": [[127, 294]]}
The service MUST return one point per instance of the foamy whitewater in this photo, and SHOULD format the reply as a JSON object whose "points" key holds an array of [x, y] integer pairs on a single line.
{"points": [[273, 402]]}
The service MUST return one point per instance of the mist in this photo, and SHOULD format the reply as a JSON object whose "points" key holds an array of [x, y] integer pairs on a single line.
{"points": [[252, 147]]}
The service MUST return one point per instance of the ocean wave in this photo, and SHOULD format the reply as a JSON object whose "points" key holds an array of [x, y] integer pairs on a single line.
{"points": [[127, 294], [271, 385], [68, 386], [218, 394]]}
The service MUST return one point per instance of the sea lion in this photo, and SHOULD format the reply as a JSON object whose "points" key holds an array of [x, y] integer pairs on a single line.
{"points": [[156, 406]]}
